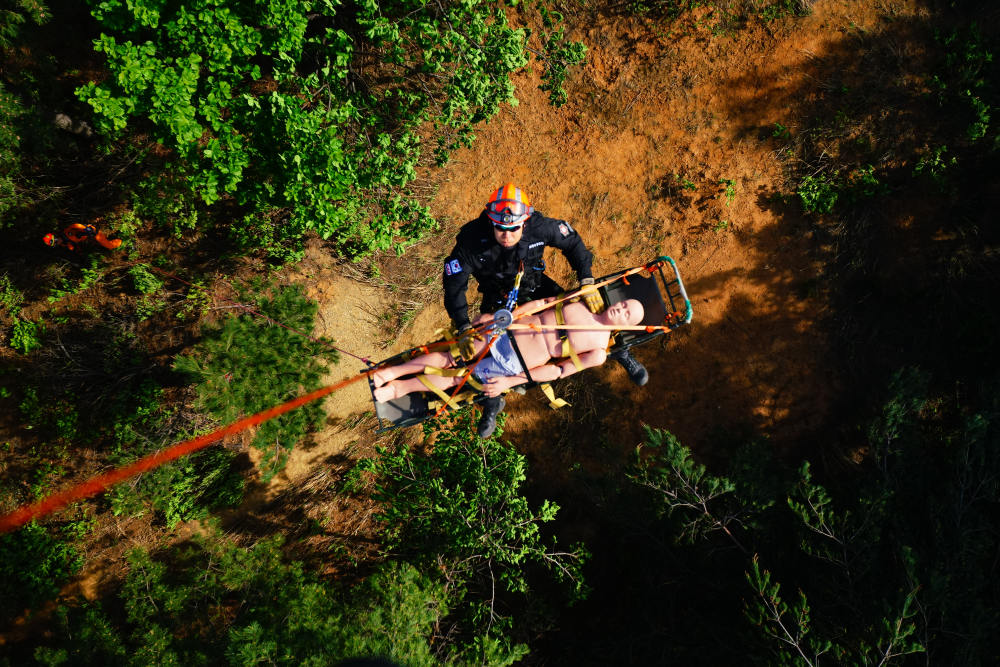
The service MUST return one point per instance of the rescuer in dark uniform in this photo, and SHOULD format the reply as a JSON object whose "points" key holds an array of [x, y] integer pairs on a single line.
{"points": [[508, 238]]}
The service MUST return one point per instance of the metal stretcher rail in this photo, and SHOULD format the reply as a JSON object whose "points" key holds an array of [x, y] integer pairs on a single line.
{"points": [[664, 299]]}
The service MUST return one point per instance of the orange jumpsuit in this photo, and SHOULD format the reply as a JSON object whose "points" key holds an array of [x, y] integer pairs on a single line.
{"points": [[81, 234]]}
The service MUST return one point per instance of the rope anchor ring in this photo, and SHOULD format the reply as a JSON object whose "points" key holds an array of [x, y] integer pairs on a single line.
{"points": [[502, 319]]}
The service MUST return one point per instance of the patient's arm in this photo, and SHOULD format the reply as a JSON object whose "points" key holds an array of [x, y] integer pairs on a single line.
{"points": [[546, 373]]}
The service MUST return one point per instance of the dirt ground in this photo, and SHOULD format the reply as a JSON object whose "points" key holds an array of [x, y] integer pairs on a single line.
{"points": [[636, 162]]}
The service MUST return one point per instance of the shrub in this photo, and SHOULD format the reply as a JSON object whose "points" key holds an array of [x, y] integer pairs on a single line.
{"points": [[144, 280], [33, 566], [817, 194], [89, 276], [223, 604], [246, 364], [461, 503], [11, 298], [26, 335]]}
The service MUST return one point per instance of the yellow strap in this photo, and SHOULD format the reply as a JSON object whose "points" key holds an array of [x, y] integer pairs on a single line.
{"points": [[554, 403], [447, 400], [567, 349], [463, 399], [449, 335], [453, 373]]}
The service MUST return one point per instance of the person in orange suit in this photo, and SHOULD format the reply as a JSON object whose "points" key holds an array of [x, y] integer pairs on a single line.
{"points": [[77, 235]]}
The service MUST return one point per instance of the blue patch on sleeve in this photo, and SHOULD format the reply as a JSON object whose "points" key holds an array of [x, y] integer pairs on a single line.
{"points": [[452, 268]]}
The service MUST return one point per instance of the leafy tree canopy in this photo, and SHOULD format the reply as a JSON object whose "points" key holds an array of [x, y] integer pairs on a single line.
{"points": [[309, 112]]}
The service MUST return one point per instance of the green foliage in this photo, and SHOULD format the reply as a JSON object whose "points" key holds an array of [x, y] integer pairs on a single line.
{"points": [[219, 603], [11, 298], [817, 194], [280, 117], [781, 132], [933, 167], [461, 504], [33, 565], [728, 190], [89, 276], [246, 364], [26, 335], [144, 280], [558, 55], [197, 301], [124, 222], [862, 185], [184, 489], [12, 15], [179, 490], [685, 183], [680, 485], [56, 416], [10, 113], [196, 484], [787, 626], [964, 77]]}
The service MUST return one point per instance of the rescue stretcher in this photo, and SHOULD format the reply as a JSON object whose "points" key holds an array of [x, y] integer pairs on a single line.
{"points": [[661, 294]]}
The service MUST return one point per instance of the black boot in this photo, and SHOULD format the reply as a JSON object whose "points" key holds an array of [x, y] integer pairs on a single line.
{"points": [[488, 422], [636, 372]]}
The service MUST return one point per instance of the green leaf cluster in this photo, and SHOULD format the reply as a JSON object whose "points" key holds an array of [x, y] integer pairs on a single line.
{"points": [[26, 335], [247, 364], [144, 280], [309, 113], [33, 565], [219, 603], [460, 504]]}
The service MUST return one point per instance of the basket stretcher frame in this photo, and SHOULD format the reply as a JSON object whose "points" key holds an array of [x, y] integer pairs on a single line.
{"points": [[413, 408]]}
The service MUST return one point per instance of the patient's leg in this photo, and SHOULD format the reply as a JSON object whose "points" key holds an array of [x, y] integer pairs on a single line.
{"points": [[433, 359], [398, 388]]}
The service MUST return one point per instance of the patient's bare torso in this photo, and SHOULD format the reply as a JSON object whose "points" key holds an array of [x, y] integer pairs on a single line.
{"points": [[539, 348]]}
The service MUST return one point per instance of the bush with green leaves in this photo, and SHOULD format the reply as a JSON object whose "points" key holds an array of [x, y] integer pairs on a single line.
{"points": [[184, 489], [144, 280], [818, 194], [460, 507], [33, 565], [90, 275], [964, 82], [26, 335], [246, 364], [310, 112], [218, 603]]}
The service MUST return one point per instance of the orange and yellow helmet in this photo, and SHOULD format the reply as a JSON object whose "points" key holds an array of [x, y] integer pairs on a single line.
{"points": [[50, 240], [509, 205]]}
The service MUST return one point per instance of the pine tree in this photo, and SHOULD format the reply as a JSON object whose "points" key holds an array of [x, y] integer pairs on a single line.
{"points": [[248, 364]]}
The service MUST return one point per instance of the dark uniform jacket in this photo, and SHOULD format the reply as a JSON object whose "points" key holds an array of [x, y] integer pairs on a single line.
{"points": [[478, 254]]}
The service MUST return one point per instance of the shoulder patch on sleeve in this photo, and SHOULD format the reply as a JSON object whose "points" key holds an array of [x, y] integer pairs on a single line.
{"points": [[453, 267], [565, 229]]}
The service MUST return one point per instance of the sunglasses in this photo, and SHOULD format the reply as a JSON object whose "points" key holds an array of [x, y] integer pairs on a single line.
{"points": [[508, 228]]}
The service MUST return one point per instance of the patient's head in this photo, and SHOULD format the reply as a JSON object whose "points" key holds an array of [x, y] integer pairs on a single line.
{"points": [[625, 313]]}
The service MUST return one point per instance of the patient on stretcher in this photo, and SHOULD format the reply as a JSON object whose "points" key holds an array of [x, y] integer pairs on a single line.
{"points": [[500, 370]]}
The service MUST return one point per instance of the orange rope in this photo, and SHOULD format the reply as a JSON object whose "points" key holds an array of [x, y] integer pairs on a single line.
{"points": [[92, 487]]}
